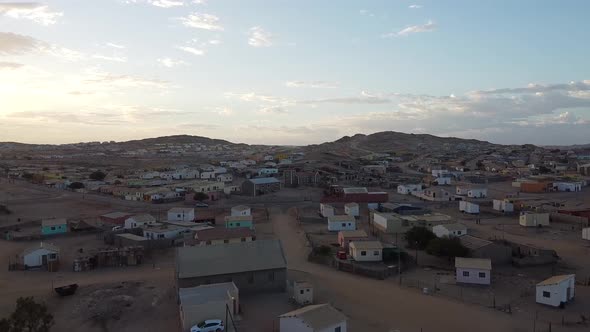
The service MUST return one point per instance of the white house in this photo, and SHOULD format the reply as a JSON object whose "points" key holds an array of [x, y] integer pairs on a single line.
{"points": [[139, 220], [567, 186], [437, 173], [366, 251], [557, 290], [468, 207], [220, 170], [351, 209], [586, 233], [181, 214], [341, 223], [301, 292], [248, 162], [326, 210], [268, 171], [40, 255], [241, 210], [473, 270], [406, 189], [533, 219], [226, 177], [313, 318], [449, 230], [165, 232], [207, 175], [503, 205], [477, 193], [443, 180], [462, 190]]}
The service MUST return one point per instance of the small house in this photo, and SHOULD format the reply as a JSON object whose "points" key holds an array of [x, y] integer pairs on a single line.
{"points": [[533, 219], [181, 214], [54, 226], [449, 230], [313, 318], [351, 209], [468, 207], [218, 235], [139, 220], [503, 205], [473, 270], [326, 210], [115, 218], [226, 177], [366, 251], [477, 193], [567, 186], [586, 233], [260, 186], [301, 292], [557, 290], [446, 180], [168, 232], [406, 189], [345, 237], [44, 255], [341, 223], [241, 210], [239, 221]]}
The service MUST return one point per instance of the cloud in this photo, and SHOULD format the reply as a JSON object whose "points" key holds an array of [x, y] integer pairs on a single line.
{"points": [[363, 99], [428, 27], [202, 21], [311, 84], [168, 62], [224, 111], [10, 65], [415, 6], [112, 80], [159, 3], [12, 43], [118, 46], [214, 42], [258, 37], [366, 12], [110, 58], [273, 110], [191, 50], [36, 12]]}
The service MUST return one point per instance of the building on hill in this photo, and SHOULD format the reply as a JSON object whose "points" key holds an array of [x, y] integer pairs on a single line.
{"points": [[351, 209], [341, 223], [482, 248], [219, 235], [139, 220], [241, 210], [239, 222], [260, 186]]}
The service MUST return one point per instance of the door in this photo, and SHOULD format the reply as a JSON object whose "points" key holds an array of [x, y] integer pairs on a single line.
{"points": [[44, 260], [569, 293]]}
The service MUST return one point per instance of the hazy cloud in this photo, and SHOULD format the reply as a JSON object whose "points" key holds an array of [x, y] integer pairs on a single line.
{"points": [[159, 3], [415, 6], [258, 37], [191, 50], [10, 65], [202, 21], [110, 58], [366, 12], [12, 43], [113, 45], [168, 62], [36, 12], [311, 84], [428, 27], [273, 110], [109, 79]]}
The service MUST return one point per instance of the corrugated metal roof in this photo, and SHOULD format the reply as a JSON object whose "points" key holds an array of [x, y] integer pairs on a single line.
{"points": [[264, 180], [357, 233], [472, 242], [341, 218], [42, 245], [473, 263], [556, 280], [366, 245], [229, 258], [207, 293], [317, 316]]}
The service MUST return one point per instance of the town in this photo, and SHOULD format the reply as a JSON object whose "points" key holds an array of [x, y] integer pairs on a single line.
{"points": [[382, 232]]}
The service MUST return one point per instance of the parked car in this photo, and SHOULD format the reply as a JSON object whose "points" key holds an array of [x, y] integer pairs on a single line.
{"points": [[209, 325], [201, 204], [116, 228]]}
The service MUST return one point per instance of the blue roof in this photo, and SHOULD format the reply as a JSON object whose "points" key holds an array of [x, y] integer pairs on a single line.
{"points": [[264, 180]]}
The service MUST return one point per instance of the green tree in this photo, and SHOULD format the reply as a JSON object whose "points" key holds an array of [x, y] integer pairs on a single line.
{"points": [[76, 185], [419, 237], [29, 316], [447, 247], [97, 176]]}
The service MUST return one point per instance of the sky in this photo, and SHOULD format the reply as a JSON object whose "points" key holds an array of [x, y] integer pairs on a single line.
{"points": [[294, 72]]}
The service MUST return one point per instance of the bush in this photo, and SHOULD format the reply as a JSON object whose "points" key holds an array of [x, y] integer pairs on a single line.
{"points": [[97, 176], [447, 247], [419, 237], [29, 316]]}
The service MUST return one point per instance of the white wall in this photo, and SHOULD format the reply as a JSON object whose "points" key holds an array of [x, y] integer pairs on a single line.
{"points": [[337, 226], [477, 193], [558, 293], [368, 257], [186, 216], [333, 327], [35, 258], [473, 277], [246, 212], [326, 210], [293, 324], [586, 233], [352, 211], [468, 207]]}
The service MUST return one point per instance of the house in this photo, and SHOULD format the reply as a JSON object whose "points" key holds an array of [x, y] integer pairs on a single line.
{"points": [[341, 223], [468, 207], [239, 221], [449, 230], [473, 270], [586, 233], [268, 171], [301, 292], [220, 235], [168, 232], [226, 177], [326, 210], [477, 193], [345, 237], [482, 248], [351, 209], [503, 205], [44, 255], [54, 226], [567, 186], [534, 219], [115, 218], [253, 267], [445, 180], [557, 290], [203, 302], [433, 194], [406, 189], [260, 186], [206, 175], [181, 214], [241, 210], [313, 318], [437, 173], [139, 220], [366, 251]]}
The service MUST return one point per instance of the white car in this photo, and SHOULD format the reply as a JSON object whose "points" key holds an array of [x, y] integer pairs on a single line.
{"points": [[116, 228], [209, 325]]}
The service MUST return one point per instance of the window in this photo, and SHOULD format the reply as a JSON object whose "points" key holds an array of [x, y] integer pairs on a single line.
{"points": [[208, 242], [546, 294], [482, 274], [160, 236], [466, 273], [52, 228], [301, 291], [343, 224], [225, 241], [237, 224], [307, 290], [376, 253], [459, 232], [338, 329], [363, 253], [52, 256], [178, 215]]}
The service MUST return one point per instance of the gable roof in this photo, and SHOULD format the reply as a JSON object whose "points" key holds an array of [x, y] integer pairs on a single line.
{"points": [[556, 280], [54, 222], [366, 245], [42, 245], [240, 208], [455, 227], [207, 293], [317, 316], [181, 210], [263, 180], [340, 218], [472, 242], [229, 258], [473, 263]]}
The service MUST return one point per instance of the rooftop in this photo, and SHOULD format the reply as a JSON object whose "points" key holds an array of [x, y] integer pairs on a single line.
{"points": [[366, 245], [42, 245], [238, 218], [455, 227], [229, 258], [116, 215], [472, 242], [339, 218], [556, 280], [131, 237], [207, 293], [144, 217], [54, 222], [355, 190], [351, 205], [264, 180], [181, 210], [473, 263], [240, 208], [317, 316], [357, 233], [222, 233]]}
